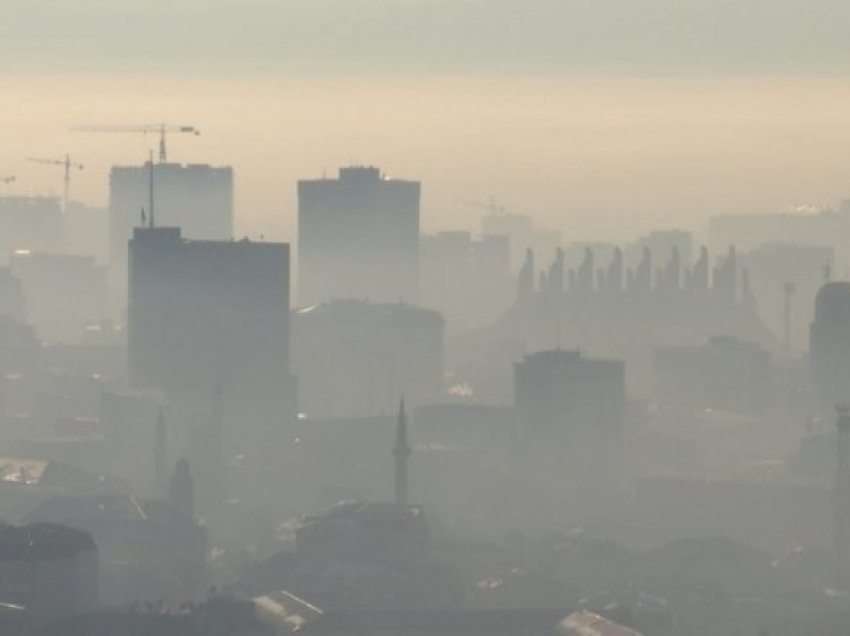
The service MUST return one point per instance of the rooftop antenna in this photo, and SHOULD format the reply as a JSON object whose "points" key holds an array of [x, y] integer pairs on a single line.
{"points": [[151, 218]]}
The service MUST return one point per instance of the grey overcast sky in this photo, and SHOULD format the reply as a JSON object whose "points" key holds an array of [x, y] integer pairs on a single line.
{"points": [[522, 35], [600, 117]]}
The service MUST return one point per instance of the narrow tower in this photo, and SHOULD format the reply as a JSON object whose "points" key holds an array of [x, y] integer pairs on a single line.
{"points": [[182, 489], [401, 453], [216, 464], [160, 452], [842, 486]]}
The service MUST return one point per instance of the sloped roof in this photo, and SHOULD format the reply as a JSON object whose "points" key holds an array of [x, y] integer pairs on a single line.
{"points": [[586, 623]]}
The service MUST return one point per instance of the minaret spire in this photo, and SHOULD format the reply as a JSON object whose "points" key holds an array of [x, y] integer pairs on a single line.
{"points": [[401, 453], [160, 452], [842, 486]]}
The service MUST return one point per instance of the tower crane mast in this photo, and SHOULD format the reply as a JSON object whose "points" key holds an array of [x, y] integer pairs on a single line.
{"points": [[147, 129], [67, 164]]}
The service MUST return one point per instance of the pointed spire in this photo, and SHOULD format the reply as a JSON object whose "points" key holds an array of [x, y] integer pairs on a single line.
{"points": [[401, 453], [160, 451], [182, 488], [218, 406]]}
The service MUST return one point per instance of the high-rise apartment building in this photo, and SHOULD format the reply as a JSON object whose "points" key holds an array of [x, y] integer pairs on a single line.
{"points": [[358, 237], [207, 316]]}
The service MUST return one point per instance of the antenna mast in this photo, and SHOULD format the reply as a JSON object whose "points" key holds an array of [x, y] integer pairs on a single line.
{"points": [[151, 218]]}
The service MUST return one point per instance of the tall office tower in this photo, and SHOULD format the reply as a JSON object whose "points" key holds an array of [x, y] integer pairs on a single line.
{"points": [[829, 344], [30, 223], [358, 237], [209, 313], [196, 198], [560, 395]]}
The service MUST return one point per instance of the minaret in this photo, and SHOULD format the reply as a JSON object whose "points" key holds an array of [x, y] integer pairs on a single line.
{"points": [[842, 486], [401, 453], [216, 461], [160, 455], [182, 489]]}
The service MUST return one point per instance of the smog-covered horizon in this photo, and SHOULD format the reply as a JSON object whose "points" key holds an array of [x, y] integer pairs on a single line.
{"points": [[424, 318]]}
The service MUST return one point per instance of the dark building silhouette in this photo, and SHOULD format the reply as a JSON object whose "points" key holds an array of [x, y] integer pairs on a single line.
{"points": [[203, 312], [829, 343], [147, 550], [563, 395], [197, 198], [358, 237], [354, 358], [49, 570]]}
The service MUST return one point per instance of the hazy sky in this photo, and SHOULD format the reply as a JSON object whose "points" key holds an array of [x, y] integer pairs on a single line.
{"points": [[598, 116]]}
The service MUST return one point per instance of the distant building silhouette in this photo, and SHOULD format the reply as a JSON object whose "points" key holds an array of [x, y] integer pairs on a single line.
{"points": [[562, 395], [202, 312], [358, 237], [722, 373], [466, 279], [50, 570], [829, 343], [355, 358], [146, 549], [811, 227], [196, 198], [624, 307], [521, 234], [30, 223], [65, 294]]}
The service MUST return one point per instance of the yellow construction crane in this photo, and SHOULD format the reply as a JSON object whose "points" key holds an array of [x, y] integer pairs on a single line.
{"points": [[147, 129], [67, 165]]}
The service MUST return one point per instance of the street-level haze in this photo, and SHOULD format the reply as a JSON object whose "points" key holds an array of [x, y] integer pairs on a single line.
{"points": [[599, 118]]}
